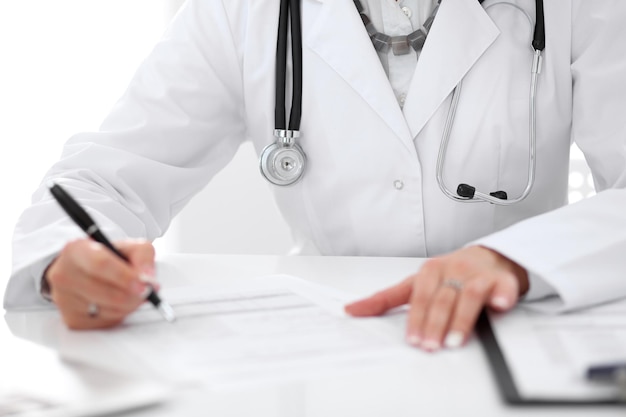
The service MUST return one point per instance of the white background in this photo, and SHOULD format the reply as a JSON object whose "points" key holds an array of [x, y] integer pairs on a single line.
{"points": [[63, 64]]}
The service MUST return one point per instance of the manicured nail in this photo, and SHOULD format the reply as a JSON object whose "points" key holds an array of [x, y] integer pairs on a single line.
{"points": [[148, 279], [454, 339], [139, 288], [413, 340], [151, 282], [431, 345], [148, 270], [355, 309], [500, 302]]}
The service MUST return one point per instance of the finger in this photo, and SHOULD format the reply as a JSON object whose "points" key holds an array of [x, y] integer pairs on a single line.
{"points": [[438, 317], [65, 274], [425, 285], [381, 301], [75, 313], [112, 297], [102, 294], [470, 302], [89, 258], [505, 292], [140, 253]]}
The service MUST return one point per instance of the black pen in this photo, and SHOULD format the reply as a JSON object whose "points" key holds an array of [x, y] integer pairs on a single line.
{"points": [[89, 226]]}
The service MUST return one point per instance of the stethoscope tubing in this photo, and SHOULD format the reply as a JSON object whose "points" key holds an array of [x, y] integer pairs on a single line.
{"points": [[289, 12], [281, 66]]}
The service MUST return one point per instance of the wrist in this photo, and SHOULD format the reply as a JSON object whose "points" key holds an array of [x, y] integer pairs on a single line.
{"points": [[45, 290]]}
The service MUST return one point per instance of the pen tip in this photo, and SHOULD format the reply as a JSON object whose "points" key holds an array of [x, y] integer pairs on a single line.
{"points": [[167, 312]]}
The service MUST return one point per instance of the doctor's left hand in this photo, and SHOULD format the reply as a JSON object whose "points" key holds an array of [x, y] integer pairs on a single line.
{"points": [[447, 294]]}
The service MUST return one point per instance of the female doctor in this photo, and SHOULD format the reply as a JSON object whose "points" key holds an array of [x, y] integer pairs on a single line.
{"points": [[399, 102]]}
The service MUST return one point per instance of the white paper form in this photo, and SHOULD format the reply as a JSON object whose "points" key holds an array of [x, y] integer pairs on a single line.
{"points": [[283, 328], [548, 354]]}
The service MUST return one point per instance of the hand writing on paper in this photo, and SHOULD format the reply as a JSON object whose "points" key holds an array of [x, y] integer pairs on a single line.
{"points": [[93, 288], [447, 294]]}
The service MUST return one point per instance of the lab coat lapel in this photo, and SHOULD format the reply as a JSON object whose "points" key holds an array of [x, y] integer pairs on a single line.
{"points": [[461, 33], [339, 38]]}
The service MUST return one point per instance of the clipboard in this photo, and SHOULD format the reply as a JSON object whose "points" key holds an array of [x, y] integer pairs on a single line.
{"points": [[506, 382]]}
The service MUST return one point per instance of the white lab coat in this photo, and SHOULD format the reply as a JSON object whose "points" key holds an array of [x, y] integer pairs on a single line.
{"points": [[370, 187]]}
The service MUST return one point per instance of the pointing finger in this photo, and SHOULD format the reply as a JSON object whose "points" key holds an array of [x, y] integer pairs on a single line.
{"points": [[382, 301]]}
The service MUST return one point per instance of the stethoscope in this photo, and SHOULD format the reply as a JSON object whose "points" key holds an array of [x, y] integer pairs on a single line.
{"points": [[283, 162], [466, 193]]}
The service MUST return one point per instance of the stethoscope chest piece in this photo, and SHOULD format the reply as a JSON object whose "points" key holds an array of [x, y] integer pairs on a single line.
{"points": [[283, 162]]}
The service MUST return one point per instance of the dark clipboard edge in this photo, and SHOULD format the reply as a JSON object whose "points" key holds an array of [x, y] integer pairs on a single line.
{"points": [[505, 380]]}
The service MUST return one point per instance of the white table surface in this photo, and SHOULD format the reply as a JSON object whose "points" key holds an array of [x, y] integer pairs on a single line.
{"points": [[452, 383]]}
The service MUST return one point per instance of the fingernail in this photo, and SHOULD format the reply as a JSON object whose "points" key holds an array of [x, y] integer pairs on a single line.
{"points": [[139, 288], [431, 345], [148, 270], [148, 279], [413, 340], [500, 302], [454, 339], [353, 309]]}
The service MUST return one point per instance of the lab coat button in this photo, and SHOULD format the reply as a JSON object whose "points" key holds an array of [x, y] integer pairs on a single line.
{"points": [[407, 11], [398, 184]]}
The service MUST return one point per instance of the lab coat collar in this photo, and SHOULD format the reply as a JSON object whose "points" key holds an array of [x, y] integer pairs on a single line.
{"points": [[461, 33], [338, 37]]}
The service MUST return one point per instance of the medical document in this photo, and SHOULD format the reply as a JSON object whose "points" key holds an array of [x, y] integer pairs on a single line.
{"points": [[282, 328], [548, 355]]}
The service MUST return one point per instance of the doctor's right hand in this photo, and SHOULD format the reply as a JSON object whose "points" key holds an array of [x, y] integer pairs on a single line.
{"points": [[93, 288]]}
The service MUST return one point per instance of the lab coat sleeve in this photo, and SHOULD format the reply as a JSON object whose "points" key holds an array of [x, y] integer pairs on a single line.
{"points": [[178, 123], [580, 250]]}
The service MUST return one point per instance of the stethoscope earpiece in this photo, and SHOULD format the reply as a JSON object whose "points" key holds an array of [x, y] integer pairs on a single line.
{"points": [[465, 191]]}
